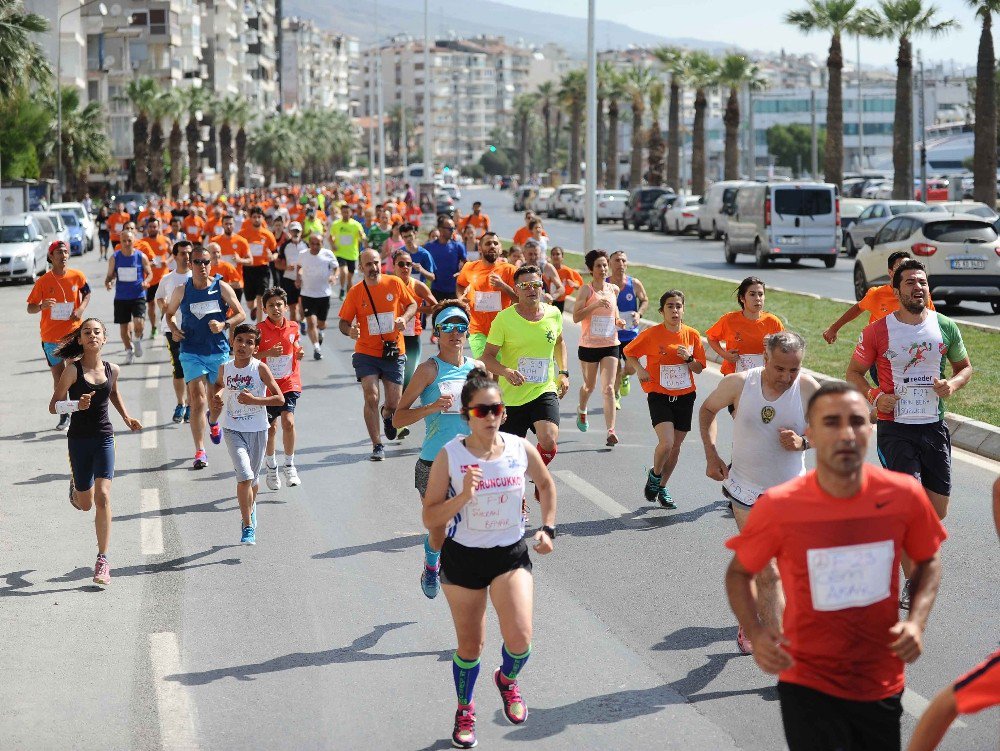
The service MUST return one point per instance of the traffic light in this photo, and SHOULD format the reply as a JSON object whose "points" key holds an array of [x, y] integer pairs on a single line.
{"points": [[493, 148]]}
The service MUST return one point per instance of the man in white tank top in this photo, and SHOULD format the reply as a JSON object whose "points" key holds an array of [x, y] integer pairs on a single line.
{"points": [[769, 444]]}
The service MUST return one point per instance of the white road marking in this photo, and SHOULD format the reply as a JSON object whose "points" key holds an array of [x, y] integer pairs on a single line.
{"points": [[914, 705], [152, 374], [150, 523], [600, 499], [149, 438], [174, 705]]}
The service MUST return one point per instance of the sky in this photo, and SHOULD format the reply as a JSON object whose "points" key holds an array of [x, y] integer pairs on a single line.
{"points": [[758, 26]]}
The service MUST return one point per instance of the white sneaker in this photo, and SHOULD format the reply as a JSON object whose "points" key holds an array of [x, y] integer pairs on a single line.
{"points": [[129, 357], [137, 345], [291, 476], [273, 480]]}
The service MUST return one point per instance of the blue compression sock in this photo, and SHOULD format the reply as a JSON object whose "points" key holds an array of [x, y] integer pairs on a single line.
{"points": [[511, 665], [431, 555], [465, 673]]}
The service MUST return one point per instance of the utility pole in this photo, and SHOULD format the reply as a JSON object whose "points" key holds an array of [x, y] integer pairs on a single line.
{"points": [[381, 113], [427, 181], [815, 135], [404, 157], [752, 140], [923, 133], [371, 122], [861, 114], [589, 195]]}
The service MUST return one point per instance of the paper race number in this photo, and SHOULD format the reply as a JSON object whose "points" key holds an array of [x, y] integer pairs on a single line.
{"points": [[128, 274], [746, 362], [454, 390], [534, 369], [487, 302], [281, 366], [602, 327], [850, 576], [384, 324], [61, 311], [675, 377], [491, 512]]}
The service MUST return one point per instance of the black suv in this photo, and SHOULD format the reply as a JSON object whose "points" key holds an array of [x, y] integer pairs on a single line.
{"points": [[639, 207]]}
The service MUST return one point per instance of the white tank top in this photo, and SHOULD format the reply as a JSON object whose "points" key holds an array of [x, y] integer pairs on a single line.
{"points": [[493, 517], [759, 461], [246, 418]]}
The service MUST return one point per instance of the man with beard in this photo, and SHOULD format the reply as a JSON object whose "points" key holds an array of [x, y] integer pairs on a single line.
{"points": [[488, 285]]}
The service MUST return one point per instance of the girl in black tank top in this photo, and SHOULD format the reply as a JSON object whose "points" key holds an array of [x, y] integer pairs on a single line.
{"points": [[93, 421]]}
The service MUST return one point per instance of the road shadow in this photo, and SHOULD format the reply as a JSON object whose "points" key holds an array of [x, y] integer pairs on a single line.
{"points": [[62, 477], [16, 581], [356, 651], [175, 565], [695, 637], [395, 545]]}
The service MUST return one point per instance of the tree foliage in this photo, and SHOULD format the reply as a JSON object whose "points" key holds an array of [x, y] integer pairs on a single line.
{"points": [[791, 145]]}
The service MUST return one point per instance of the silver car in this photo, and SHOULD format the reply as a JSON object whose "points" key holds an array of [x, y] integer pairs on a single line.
{"points": [[23, 249], [871, 220]]}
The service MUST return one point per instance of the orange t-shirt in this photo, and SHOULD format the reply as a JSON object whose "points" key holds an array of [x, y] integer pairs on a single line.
{"points": [[484, 300], [287, 335], [115, 224], [392, 298], [881, 301], [193, 227], [157, 250], [68, 288], [261, 242], [481, 222], [738, 332], [213, 226], [980, 687], [229, 273], [233, 246], [571, 280], [524, 234], [669, 373]]}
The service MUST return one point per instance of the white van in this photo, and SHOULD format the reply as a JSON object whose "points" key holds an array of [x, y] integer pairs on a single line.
{"points": [[713, 217], [793, 220]]}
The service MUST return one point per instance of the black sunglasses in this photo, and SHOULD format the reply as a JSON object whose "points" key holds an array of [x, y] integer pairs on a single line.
{"points": [[202, 262]]}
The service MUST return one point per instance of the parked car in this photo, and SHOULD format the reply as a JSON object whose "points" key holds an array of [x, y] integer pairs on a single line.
{"points": [[871, 220], [443, 203], [850, 210], [611, 205], [506, 182], [658, 213], [540, 200], [682, 216], [452, 190], [639, 207], [559, 202], [793, 220], [77, 238], [139, 199], [520, 196], [938, 189], [23, 248], [874, 185], [47, 228], [574, 205], [968, 207], [62, 231], [961, 253], [85, 220], [713, 217]]}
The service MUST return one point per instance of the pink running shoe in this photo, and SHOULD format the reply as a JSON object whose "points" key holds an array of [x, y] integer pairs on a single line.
{"points": [[464, 734], [743, 642], [215, 433], [102, 571], [514, 708]]}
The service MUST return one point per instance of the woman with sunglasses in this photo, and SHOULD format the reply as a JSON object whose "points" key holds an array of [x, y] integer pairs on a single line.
{"points": [[476, 487], [403, 267], [438, 384]]}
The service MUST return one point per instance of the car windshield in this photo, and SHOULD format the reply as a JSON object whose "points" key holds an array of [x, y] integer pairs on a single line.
{"points": [[803, 201], [70, 219], [960, 231], [14, 235], [906, 208]]}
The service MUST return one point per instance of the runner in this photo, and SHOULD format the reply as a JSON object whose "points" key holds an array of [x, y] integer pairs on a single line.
{"points": [[632, 304], [279, 345], [156, 247], [116, 224], [840, 655], [553, 283], [419, 291], [380, 231], [204, 346], [129, 272], [910, 348], [488, 285], [84, 390], [477, 219], [235, 250], [61, 295], [193, 225], [470, 239], [375, 313], [769, 445], [176, 278], [476, 487], [287, 263], [348, 240], [449, 258], [570, 279], [674, 355], [104, 231], [423, 263], [523, 233], [314, 274], [257, 276], [596, 310], [229, 273], [738, 337], [438, 384], [242, 392]]}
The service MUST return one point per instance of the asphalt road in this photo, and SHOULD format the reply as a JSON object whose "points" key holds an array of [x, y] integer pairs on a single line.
{"points": [[688, 253], [319, 637]]}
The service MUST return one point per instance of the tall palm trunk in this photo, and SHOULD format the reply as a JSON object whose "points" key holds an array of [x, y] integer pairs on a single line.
{"points": [[984, 166], [596, 172], [547, 119], [833, 167], [176, 156], [635, 173], [902, 126], [140, 151], [657, 147], [156, 166], [698, 144], [575, 121], [241, 157], [611, 160], [674, 136], [731, 119], [225, 154], [522, 151], [191, 136]]}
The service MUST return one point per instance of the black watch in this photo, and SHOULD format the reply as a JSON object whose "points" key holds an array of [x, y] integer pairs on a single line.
{"points": [[564, 372], [550, 531], [689, 360]]}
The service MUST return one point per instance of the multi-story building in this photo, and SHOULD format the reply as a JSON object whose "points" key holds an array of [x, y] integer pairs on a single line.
{"points": [[260, 84], [319, 69]]}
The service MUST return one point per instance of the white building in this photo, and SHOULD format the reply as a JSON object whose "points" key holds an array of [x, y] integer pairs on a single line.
{"points": [[319, 68]]}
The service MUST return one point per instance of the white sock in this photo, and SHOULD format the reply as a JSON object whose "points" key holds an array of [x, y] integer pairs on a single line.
{"points": [[272, 462], [289, 460]]}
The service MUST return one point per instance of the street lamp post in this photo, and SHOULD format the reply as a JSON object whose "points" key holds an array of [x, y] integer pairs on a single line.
{"points": [[589, 196]]}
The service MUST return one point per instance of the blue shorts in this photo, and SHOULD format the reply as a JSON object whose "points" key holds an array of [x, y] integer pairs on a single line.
{"points": [[196, 366], [49, 348], [291, 397], [387, 370], [90, 457]]}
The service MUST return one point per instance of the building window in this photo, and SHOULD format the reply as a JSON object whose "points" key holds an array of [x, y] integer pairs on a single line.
{"points": [[95, 51], [157, 22]]}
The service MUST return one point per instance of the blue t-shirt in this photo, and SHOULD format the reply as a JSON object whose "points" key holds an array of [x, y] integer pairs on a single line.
{"points": [[447, 259], [425, 259]]}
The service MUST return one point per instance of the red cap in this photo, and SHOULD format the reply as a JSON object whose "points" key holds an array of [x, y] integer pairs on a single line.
{"points": [[57, 243]]}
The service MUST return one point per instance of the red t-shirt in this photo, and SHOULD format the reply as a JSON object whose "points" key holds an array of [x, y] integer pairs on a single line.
{"points": [[980, 687], [838, 559], [287, 365]]}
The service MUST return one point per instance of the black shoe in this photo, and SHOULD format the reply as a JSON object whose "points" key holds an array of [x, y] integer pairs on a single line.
{"points": [[341, 293], [652, 488], [388, 429], [317, 355]]}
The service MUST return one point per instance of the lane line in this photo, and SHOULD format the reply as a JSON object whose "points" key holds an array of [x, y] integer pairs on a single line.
{"points": [[149, 439], [914, 705], [600, 499], [173, 703], [150, 522], [152, 374]]}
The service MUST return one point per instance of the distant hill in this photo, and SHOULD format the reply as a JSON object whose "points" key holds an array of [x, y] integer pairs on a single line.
{"points": [[465, 19]]}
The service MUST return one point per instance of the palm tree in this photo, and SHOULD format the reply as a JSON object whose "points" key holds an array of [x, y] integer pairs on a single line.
{"points": [[276, 144], [524, 112], [22, 59], [573, 96], [242, 117], [655, 138], [638, 80], [834, 17], [224, 114], [736, 72], [604, 73], [158, 111], [903, 20], [984, 163], [674, 61], [175, 107], [196, 102], [84, 140], [703, 73], [615, 93], [141, 93], [547, 95]]}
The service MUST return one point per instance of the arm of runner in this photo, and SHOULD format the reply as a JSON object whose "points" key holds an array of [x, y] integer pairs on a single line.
{"points": [[274, 397], [961, 373], [830, 335], [640, 296], [726, 394], [732, 356], [856, 376], [229, 297], [215, 403], [935, 721], [408, 314], [562, 362], [171, 312], [767, 651], [116, 399], [84, 302], [926, 577], [546, 486], [406, 414], [147, 270], [556, 289], [438, 508], [425, 298], [66, 379], [109, 279], [494, 366]]}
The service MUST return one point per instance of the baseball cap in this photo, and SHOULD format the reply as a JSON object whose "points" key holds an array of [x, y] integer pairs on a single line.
{"points": [[56, 244], [294, 226]]}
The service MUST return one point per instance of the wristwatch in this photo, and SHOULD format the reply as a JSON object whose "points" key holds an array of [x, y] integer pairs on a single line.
{"points": [[805, 444], [564, 372], [689, 360], [550, 531]]}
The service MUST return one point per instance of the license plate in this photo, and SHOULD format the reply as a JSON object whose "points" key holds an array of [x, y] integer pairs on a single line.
{"points": [[790, 240], [968, 264]]}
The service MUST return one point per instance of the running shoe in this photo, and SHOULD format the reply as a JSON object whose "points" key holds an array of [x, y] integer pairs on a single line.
{"points": [[129, 357], [514, 708], [378, 453], [63, 422], [342, 297], [200, 459], [626, 386], [152, 332], [137, 346], [72, 494], [464, 734], [317, 355], [302, 328], [273, 480], [215, 433], [664, 499], [102, 571], [291, 476], [652, 488], [178, 413], [904, 596], [612, 438], [430, 581], [320, 334], [581, 421], [387, 427], [187, 413], [403, 432], [253, 516], [248, 537], [743, 642]]}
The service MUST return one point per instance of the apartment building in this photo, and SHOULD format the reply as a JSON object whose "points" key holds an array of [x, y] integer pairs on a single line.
{"points": [[319, 69]]}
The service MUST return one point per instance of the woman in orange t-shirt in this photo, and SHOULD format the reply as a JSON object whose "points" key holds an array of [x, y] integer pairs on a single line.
{"points": [[674, 355], [570, 278], [738, 337]]}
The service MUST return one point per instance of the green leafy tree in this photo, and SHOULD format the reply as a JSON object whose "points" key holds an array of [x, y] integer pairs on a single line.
{"points": [[524, 116], [573, 98], [22, 59], [791, 145], [547, 95], [703, 73], [674, 61], [615, 93], [655, 143], [196, 103], [984, 168], [25, 128], [638, 80], [736, 72], [141, 93]]}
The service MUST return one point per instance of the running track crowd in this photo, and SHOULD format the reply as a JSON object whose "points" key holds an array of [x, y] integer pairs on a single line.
{"points": [[816, 555]]}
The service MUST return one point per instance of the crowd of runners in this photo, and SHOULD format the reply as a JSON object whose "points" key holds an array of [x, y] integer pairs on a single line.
{"points": [[236, 285]]}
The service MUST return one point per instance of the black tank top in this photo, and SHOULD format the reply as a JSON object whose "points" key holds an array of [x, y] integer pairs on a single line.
{"points": [[93, 422]]}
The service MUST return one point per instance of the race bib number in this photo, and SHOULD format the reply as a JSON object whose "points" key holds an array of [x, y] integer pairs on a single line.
{"points": [[67, 406], [193, 230], [487, 302], [746, 362], [534, 369], [743, 492], [61, 311], [675, 377], [454, 390], [118, 227], [281, 366], [201, 309], [851, 576], [385, 323], [411, 327], [157, 262], [489, 512], [128, 274], [917, 403], [602, 327], [345, 241], [256, 249], [236, 410]]}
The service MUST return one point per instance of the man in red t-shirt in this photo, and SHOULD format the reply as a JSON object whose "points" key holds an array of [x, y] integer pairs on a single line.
{"points": [[838, 533]]}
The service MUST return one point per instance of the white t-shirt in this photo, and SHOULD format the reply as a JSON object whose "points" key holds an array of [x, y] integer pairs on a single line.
{"points": [[292, 251], [316, 270], [169, 283]]}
